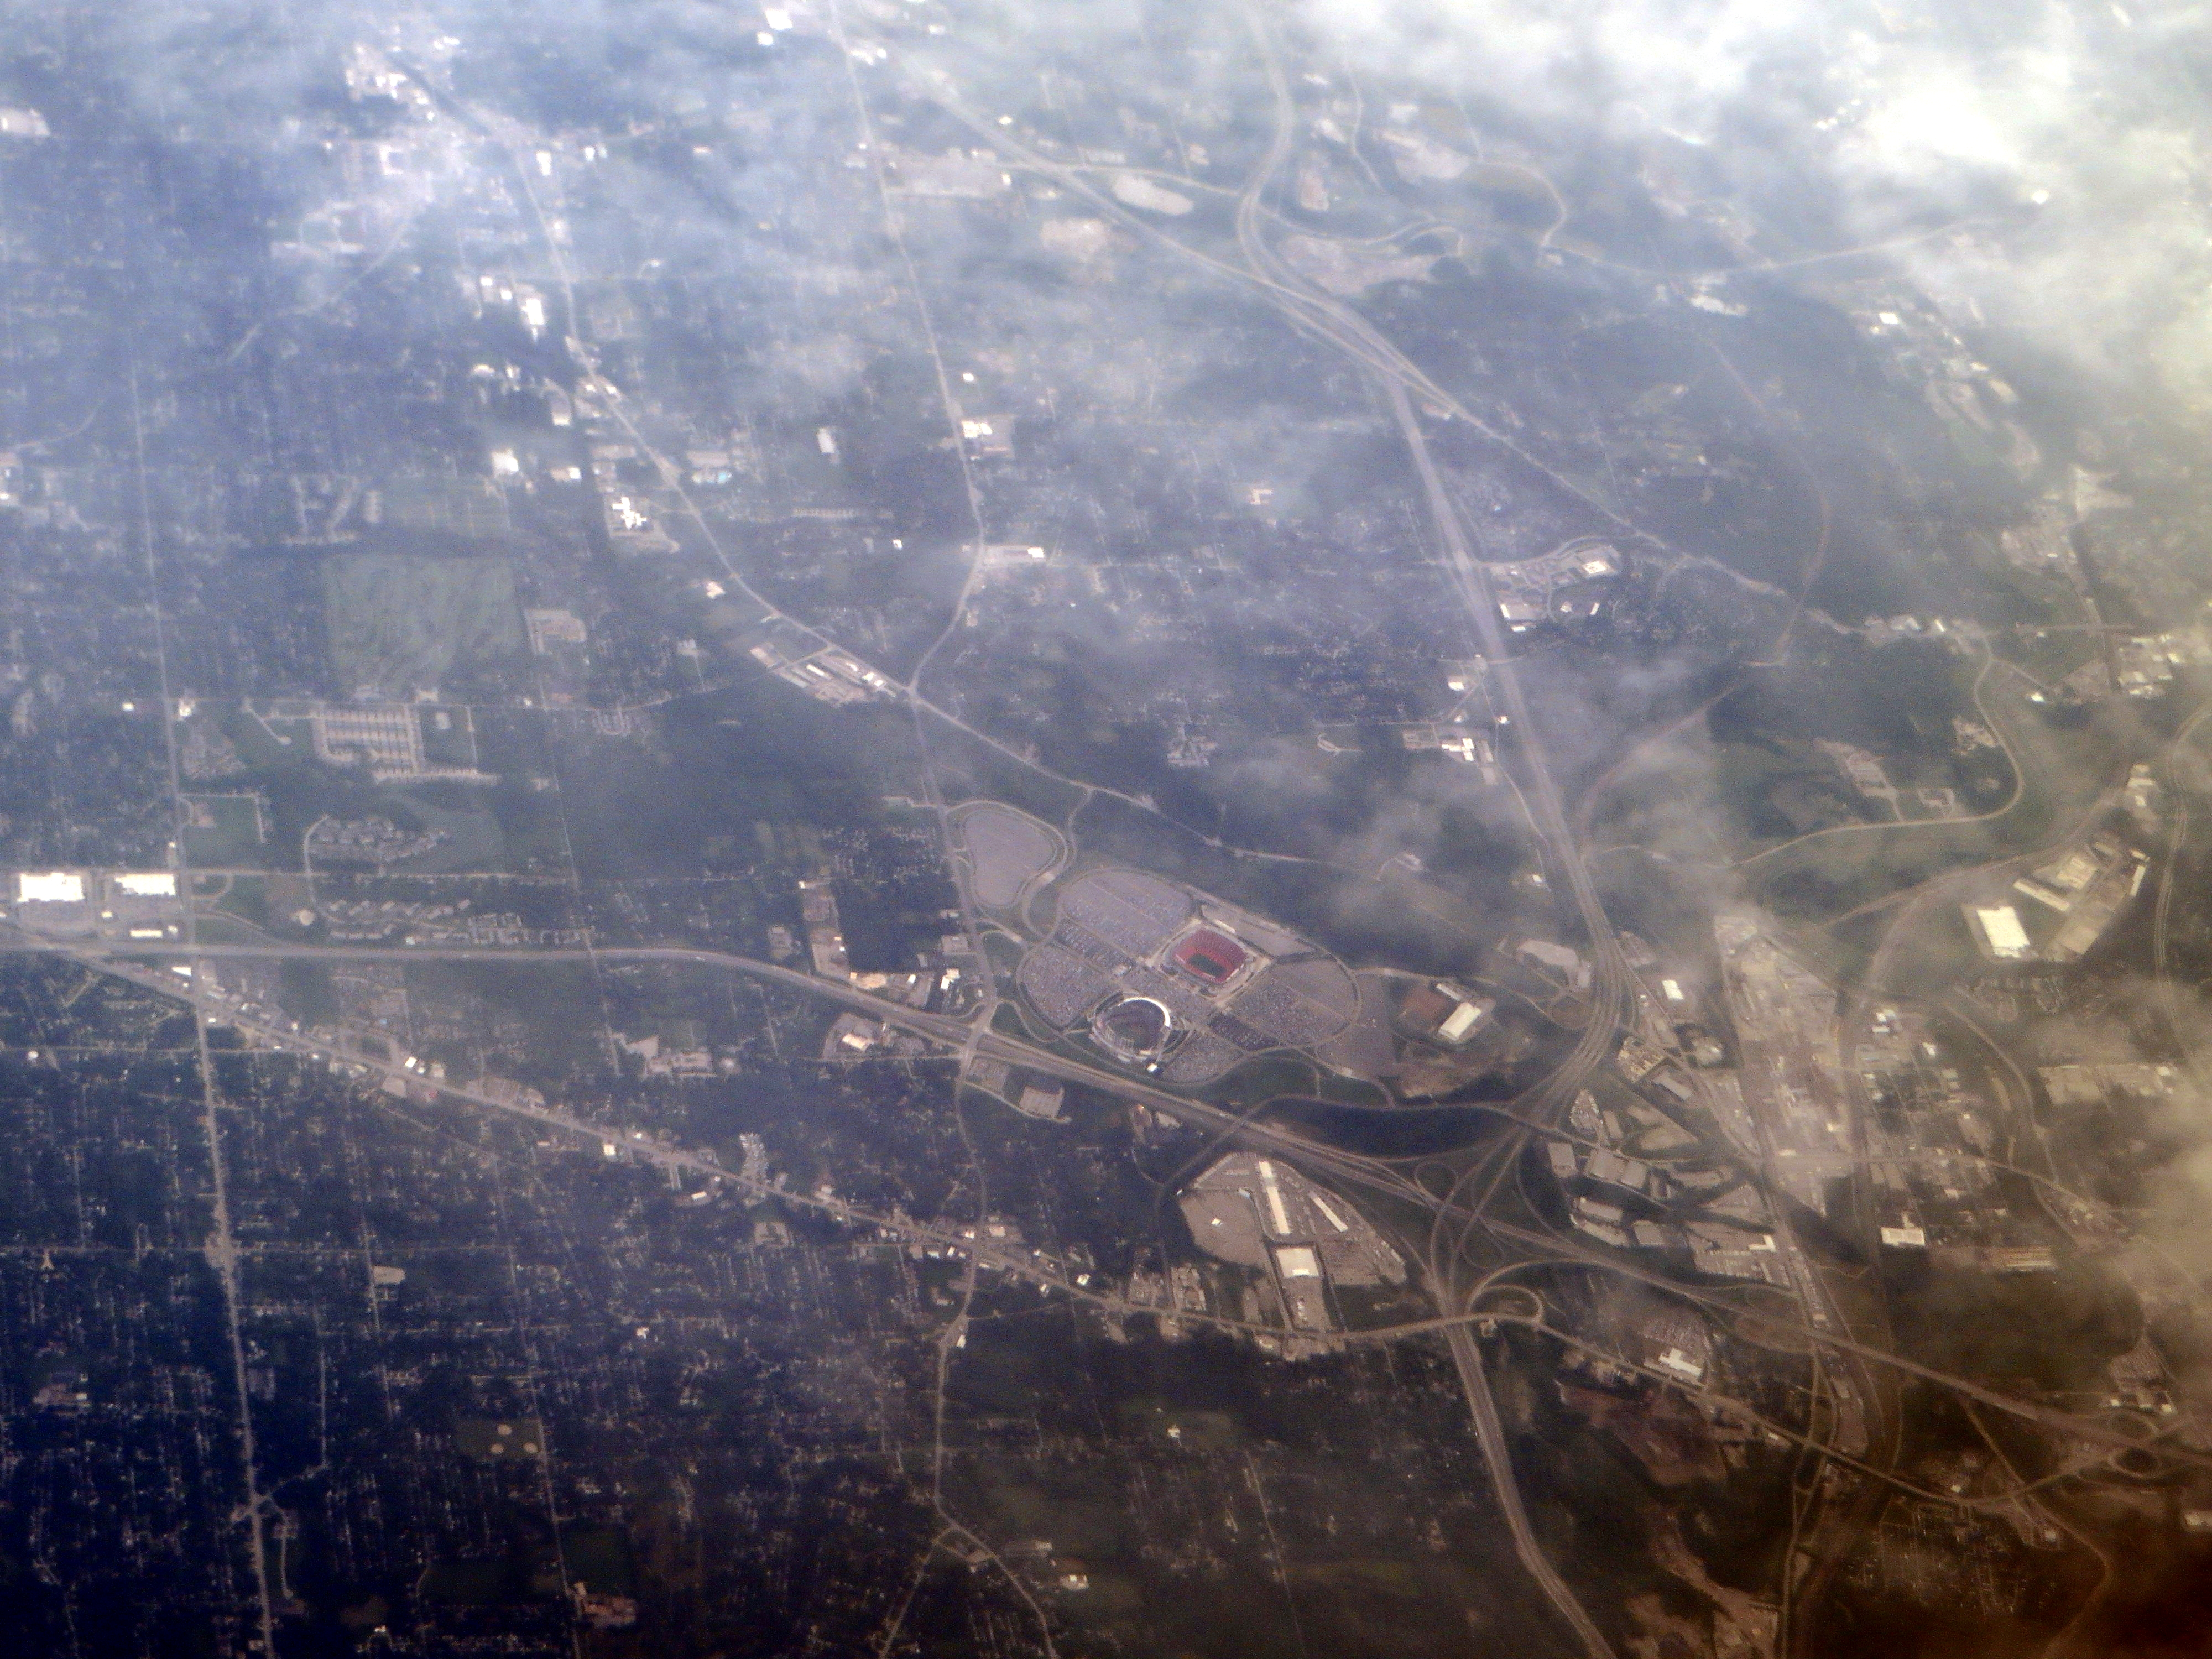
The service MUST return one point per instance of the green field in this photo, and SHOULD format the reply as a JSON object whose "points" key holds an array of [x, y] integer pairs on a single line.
{"points": [[223, 831], [402, 623]]}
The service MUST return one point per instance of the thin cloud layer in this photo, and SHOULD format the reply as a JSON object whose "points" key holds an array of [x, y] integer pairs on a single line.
{"points": [[2067, 142]]}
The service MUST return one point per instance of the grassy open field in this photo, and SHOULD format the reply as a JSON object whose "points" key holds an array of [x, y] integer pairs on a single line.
{"points": [[403, 623]]}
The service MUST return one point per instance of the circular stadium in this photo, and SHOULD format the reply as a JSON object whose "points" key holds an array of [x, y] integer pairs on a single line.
{"points": [[1134, 1029]]}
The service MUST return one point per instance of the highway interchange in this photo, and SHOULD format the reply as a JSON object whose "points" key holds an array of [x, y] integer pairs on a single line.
{"points": [[1448, 1211]]}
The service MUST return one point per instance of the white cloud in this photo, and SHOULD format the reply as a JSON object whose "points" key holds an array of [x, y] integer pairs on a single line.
{"points": [[1908, 113]]}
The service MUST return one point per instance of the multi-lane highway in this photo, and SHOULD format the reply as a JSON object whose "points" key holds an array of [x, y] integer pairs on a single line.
{"points": [[1376, 1175]]}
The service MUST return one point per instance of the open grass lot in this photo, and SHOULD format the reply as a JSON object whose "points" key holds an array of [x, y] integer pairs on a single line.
{"points": [[403, 623]]}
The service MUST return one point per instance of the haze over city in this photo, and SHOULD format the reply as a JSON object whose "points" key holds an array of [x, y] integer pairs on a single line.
{"points": [[943, 828]]}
